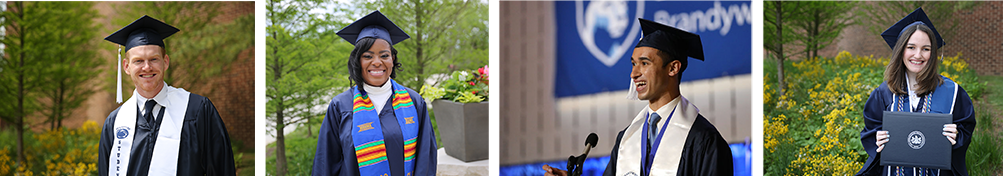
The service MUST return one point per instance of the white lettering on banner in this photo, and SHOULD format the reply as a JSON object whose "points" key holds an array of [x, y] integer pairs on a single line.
{"points": [[715, 18]]}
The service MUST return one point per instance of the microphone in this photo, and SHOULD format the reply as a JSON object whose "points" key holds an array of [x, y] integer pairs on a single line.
{"points": [[590, 142], [575, 163]]}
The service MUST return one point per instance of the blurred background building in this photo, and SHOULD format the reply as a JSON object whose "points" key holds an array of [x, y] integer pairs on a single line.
{"points": [[565, 69]]}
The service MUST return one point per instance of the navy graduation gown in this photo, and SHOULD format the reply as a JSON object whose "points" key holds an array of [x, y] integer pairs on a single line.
{"points": [[336, 153], [204, 148], [881, 99], [704, 153]]}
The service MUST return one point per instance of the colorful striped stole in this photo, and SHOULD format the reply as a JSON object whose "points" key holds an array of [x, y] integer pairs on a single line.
{"points": [[367, 135]]}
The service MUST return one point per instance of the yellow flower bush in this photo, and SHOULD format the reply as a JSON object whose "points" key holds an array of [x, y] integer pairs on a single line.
{"points": [[56, 152], [814, 127]]}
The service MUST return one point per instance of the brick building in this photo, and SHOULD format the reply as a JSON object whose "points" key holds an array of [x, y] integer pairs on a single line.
{"points": [[978, 37]]}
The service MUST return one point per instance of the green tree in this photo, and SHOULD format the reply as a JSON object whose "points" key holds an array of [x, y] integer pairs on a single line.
{"points": [[42, 39], [65, 82], [446, 35], [879, 15], [305, 60], [203, 48], [777, 33], [818, 23]]}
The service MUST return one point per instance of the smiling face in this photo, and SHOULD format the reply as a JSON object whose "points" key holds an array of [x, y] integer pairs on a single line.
{"points": [[916, 53], [146, 65], [652, 77], [377, 63]]}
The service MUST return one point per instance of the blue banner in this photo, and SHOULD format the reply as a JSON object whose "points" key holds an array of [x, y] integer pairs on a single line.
{"points": [[596, 39]]}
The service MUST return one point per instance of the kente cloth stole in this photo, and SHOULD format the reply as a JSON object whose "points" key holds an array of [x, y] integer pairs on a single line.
{"points": [[367, 133]]}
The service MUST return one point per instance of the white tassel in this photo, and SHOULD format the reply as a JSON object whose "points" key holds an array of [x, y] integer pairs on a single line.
{"points": [[118, 90], [632, 92]]}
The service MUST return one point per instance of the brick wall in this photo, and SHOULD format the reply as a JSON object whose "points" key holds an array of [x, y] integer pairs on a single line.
{"points": [[234, 95], [977, 37]]}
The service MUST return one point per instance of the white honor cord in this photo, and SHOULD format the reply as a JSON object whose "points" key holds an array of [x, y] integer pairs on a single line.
{"points": [[118, 89]]}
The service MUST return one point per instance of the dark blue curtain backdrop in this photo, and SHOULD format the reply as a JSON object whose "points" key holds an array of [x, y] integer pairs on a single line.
{"points": [[740, 152], [595, 40]]}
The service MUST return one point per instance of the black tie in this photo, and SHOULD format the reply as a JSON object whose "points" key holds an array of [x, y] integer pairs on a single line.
{"points": [[149, 111]]}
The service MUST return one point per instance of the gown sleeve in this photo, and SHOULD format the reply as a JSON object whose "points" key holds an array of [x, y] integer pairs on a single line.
{"points": [[104, 146], [964, 117], [705, 151], [328, 158], [426, 158], [611, 166], [873, 109], [218, 159]]}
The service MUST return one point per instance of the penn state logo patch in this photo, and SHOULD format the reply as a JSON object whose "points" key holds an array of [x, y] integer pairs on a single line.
{"points": [[916, 140], [631, 173], [122, 132]]}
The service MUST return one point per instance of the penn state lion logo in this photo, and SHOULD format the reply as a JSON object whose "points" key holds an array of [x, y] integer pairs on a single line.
{"points": [[121, 132], [607, 29], [916, 140], [631, 173]]}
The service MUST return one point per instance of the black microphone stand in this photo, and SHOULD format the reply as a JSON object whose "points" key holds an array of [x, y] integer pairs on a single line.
{"points": [[575, 163]]}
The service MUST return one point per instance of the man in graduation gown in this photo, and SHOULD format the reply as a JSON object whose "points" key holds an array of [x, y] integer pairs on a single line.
{"points": [[160, 130], [669, 136]]}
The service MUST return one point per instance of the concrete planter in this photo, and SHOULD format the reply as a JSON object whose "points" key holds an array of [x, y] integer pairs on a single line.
{"points": [[463, 128]]}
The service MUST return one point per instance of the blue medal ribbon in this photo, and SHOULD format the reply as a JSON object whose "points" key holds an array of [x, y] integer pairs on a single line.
{"points": [[647, 156]]}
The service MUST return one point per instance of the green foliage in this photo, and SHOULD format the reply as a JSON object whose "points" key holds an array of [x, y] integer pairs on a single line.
{"points": [[462, 86], [879, 15], [817, 23], [47, 55], [446, 35], [204, 48], [55, 152], [775, 15], [300, 149], [813, 129], [305, 62], [984, 156], [66, 78], [432, 93]]}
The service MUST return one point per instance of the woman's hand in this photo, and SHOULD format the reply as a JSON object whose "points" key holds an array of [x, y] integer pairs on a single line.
{"points": [[951, 131], [554, 171], [882, 138]]}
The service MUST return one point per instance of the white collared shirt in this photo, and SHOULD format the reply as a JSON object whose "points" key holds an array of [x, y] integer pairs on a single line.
{"points": [[913, 98], [160, 98], [665, 111]]}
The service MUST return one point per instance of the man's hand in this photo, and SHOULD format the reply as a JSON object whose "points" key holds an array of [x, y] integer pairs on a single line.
{"points": [[551, 171]]}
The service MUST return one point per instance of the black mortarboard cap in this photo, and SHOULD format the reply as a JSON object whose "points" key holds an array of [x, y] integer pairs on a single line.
{"points": [[917, 17], [143, 31], [373, 25], [670, 39]]}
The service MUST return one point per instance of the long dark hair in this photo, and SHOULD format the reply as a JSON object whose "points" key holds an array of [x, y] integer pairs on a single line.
{"points": [[355, 65], [928, 79]]}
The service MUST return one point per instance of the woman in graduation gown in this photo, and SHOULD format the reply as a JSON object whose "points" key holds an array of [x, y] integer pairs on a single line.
{"points": [[912, 84], [377, 127]]}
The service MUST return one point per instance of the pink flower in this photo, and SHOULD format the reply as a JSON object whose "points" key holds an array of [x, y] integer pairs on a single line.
{"points": [[484, 71], [471, 83]]}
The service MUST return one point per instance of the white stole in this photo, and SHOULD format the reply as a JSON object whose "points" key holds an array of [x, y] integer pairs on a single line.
{"points": [[666, 161], [165, 151]]}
